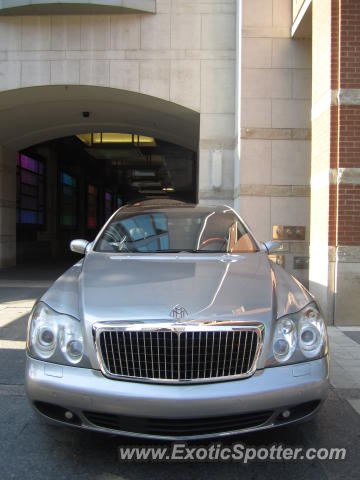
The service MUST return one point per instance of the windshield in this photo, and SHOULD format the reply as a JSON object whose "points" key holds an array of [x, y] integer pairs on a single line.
{"points": [[175, 230]]}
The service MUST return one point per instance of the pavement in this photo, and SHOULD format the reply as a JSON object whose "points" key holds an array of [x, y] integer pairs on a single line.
{"points": [[31, 449]]}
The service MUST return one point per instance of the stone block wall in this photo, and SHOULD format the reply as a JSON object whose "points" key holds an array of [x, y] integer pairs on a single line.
{"points": [[275, 125]]}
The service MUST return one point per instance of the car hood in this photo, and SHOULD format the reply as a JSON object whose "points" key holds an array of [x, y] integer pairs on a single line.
{"points": [[147, 287], [128, 288], [132, 287], [118, 287]]}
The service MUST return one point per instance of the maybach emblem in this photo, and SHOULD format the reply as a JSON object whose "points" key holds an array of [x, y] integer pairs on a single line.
{"points": [[178, 312]]}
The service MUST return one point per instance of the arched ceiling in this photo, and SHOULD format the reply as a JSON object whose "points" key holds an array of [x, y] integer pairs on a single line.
{"points": [[84, 7], [36, 114]]}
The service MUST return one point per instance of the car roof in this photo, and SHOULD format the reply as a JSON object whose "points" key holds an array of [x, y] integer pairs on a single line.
{"points": [[159, 204]]}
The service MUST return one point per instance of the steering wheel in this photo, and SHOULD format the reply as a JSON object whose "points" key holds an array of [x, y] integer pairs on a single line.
{"points": [[211, 240], [120, 246]]}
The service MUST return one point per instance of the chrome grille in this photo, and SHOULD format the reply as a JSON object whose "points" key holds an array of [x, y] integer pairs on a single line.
{"points": [[167, 355]]}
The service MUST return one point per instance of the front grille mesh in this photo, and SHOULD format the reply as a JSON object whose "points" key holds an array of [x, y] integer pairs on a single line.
{"points": [[172, 427], [172, 356]]}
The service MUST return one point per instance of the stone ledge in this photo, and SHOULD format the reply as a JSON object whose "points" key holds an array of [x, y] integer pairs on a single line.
{"points": [[348, 254], [216, 194], [276, 133], [342, 96], [343, 176], [275, 190], [344, 254], [209, 144], [348, 176], [291, 247], [257, 191], [299, 247], [349, 96], [266, 32]]}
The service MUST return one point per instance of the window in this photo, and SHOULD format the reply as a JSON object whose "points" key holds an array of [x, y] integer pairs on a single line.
{"points": [[137, 233], [119, 201], [179, 229], [108, 204], [30, 191], [68, 200], [92, 205]]}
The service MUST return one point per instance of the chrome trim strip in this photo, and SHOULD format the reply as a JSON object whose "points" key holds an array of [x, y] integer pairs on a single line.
{"points": [[113, 356], [177, 328]]}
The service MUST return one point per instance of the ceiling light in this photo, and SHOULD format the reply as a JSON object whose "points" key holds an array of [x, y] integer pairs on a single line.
{"points": [[95, 138]]}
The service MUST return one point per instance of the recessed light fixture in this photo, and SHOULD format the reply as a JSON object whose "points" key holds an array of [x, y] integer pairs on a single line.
{"points": [[108, 138]]}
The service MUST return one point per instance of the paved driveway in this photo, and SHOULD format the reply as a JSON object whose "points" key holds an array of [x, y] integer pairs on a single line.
{"points": [[31, 449]]}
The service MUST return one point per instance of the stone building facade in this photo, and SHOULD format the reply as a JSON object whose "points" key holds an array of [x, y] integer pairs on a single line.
{"points": [[232, 80]]}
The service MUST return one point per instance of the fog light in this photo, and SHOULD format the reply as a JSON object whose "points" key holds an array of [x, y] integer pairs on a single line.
{"points": [[286, 414], [69, 415]]}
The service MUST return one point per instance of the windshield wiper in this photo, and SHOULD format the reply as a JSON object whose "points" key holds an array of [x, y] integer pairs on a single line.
{"points": [[173, 250], [186, 250]]}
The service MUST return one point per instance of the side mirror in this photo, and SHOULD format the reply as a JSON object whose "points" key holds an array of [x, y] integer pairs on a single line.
{"points": [[272, 246], [79, 246]]}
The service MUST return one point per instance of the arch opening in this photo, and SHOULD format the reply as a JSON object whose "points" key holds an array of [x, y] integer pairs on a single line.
{"points": [[81, 152]]}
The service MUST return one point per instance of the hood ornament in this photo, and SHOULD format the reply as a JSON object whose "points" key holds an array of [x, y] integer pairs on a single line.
{"points": [[178, 312]]}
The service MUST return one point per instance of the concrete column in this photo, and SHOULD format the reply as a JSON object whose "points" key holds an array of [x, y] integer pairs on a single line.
{"points": [[321, 251], [7, 207]]}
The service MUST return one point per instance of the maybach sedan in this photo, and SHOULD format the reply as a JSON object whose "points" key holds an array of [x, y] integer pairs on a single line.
{"points": [[175, 324]]}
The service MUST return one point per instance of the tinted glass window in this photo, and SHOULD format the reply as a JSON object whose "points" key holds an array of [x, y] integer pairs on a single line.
{"points": [[68, 200], [30, 191], [175, 230], [108, 204], [92, 219]]}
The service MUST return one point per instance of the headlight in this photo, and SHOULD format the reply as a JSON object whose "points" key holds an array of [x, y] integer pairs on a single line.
{"points": [[55, 337], [299, 337], [284, 339], [71, 340], [312, 333]]}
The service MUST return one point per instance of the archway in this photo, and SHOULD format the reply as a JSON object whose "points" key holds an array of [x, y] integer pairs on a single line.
{"points": [[33, 115], [96, 144]]}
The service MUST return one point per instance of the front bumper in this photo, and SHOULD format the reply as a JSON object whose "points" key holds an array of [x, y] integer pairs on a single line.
{"points": [[82, 390]]}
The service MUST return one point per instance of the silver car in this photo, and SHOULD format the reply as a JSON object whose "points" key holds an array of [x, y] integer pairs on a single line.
{"points": [[176, 325]]}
